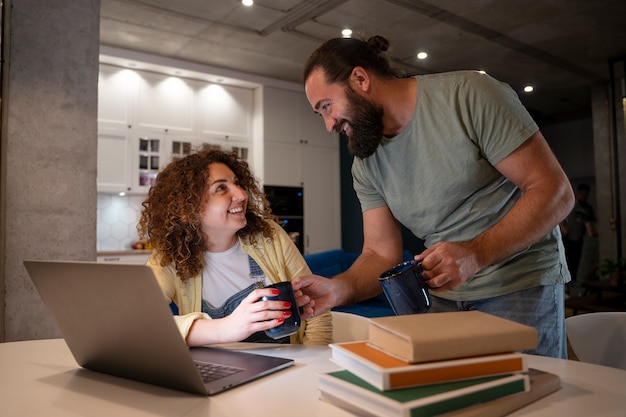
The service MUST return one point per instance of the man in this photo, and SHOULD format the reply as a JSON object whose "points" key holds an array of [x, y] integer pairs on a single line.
{"points": [[456, 159]]}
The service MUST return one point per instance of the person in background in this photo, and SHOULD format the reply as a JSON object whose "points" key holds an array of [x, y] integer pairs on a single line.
{"points": [[579, 224], [213, 234], [458, 160]]}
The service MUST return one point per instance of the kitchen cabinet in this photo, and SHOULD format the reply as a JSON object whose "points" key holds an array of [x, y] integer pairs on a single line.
{"points": [[134, 257], [288, 118], [117, 93], [114, 163], [300, 153], [283, 164], [145, 119], [164, 103], [224, 112], [148, 154], [322, 205], [316, 170], [128, 160]]}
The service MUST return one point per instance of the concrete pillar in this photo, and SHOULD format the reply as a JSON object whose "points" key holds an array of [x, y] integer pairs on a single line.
{"points": [[48, 150], [606, 172]]}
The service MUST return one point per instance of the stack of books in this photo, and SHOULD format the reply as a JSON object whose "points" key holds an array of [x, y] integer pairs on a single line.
{"points": [[461, 363]]}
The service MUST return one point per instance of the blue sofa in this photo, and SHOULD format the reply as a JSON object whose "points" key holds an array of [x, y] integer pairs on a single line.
{"points": [[333, 262]]}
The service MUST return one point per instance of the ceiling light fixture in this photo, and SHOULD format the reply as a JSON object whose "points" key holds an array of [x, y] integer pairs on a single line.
{"points": [[247, 2], [529, 89], [346, 33], [422, 55]]}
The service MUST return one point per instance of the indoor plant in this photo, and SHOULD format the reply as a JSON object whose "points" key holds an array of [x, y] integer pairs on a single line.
{"points": [[612, 269]]}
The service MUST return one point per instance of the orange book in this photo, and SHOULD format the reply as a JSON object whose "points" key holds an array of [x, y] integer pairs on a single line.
{"points": [[429, 337], [387, 372]]}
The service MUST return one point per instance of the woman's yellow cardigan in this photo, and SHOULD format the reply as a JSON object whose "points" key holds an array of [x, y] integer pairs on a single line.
{"points": [[278, 257]]}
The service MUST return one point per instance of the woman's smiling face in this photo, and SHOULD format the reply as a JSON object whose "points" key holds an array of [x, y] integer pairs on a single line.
{"points": [[225, 205]]}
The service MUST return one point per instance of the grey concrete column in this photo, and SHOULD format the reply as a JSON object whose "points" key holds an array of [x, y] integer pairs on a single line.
{"points": [[48, 149], [606, 172]]}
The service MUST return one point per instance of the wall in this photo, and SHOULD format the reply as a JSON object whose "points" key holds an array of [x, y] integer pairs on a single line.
{"points": [[573, 145], [48, 149]]}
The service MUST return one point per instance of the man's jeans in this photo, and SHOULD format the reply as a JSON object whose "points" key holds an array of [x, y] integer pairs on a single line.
{"points": [[539, 307]]}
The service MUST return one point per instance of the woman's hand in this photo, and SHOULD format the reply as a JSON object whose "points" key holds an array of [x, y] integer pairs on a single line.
{"points": [[254, 315]]}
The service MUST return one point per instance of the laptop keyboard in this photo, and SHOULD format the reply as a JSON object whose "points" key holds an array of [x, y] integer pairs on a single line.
{"points": [[212, 371]]}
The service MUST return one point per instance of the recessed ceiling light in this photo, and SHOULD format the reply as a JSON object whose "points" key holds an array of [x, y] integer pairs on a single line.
{"points": [[247, 2], [529, 89], [422, 55], [346, 33]]}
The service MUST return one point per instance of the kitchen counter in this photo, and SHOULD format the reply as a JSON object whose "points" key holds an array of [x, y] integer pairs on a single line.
{"points": [[137, 256], [125, 252]]}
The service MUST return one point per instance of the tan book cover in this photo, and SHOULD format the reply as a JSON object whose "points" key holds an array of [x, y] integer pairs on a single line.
{"points": [[418, 338]]}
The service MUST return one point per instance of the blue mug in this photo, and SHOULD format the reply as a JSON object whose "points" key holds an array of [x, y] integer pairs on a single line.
{"points": [[405, 288], [291, 323]]}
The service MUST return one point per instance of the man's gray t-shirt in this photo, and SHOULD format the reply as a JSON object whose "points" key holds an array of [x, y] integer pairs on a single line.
{"points": [[438, 177]]}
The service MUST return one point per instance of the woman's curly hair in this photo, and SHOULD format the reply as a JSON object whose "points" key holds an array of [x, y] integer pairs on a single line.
{"points": [[170, 219]]}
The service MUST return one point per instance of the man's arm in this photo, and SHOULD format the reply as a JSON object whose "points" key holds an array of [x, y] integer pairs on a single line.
{"points": [[382, 249], [546, 200]]}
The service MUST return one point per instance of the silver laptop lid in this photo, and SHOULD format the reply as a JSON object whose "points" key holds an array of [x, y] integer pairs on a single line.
{"points": [[115, 320]]}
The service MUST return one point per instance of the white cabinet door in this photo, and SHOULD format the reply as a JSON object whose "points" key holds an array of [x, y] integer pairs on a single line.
{"points": [[225, 111], [316, 169], [312, 128], [283, 164], [281, 114], [116, 96], [322, 205], [289, 118], [113, 161], [147, 158], [165, 104]]}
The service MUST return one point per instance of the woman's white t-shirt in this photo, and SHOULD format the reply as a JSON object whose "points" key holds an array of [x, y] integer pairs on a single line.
{"points": [[225, 274]]}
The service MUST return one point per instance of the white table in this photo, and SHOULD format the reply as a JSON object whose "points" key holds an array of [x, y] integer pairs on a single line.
{"points": [[41, 378]]}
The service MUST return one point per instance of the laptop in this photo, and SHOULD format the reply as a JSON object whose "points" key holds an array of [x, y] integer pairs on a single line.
{"points": [[115, 320]]}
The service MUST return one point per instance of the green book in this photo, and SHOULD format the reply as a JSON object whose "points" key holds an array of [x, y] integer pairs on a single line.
{"points": [[348, 391]]}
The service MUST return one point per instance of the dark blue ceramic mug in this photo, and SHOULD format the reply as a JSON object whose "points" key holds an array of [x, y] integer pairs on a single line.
{"points": [[405, 288], [291, 323]]}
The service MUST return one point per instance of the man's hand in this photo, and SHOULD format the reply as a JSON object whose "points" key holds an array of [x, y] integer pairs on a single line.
{"points": [[314, 295], [447, 265]]}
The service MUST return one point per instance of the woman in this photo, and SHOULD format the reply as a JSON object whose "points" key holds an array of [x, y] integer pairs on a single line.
{"points": [[213, 234]]}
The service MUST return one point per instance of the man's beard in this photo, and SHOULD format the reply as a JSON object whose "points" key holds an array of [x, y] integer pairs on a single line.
{"points": [[366, 123]]}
